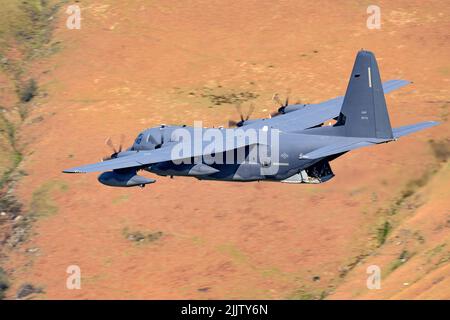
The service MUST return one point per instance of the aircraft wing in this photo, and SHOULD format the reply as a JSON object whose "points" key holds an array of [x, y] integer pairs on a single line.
{"points": [[315, 114], [134, 160], [145, 158]]}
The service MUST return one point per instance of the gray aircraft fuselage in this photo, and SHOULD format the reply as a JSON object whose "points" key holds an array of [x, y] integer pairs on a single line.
{"points": [[291, 146]]}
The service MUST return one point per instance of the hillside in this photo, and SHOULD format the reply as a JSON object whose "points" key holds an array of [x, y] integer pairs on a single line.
{"points": [[138, 64]]}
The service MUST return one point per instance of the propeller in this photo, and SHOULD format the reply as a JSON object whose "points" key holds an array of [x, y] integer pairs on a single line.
{"points": [[233, 123], [110, 144], [282, 105]]}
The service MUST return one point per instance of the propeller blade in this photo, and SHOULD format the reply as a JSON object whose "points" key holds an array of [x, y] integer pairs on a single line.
{"points": [[232, 123], [115, 151], [281, 104], [250, 111], [239, 110], [288, 93], [277, 100], [110, 144], [242, 117], [122, 140]]}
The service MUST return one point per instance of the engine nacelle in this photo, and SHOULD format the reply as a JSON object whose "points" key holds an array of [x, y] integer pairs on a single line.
{"points": [[127, 179]]}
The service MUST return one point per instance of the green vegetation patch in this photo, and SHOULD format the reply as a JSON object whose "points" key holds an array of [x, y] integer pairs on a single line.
{"points": [[4, 283], [410, 189], [120, 199], [42, 203], [303, 294], [441, 149], [439, 255], [383, 232], [142, 236], [28, 90], [10, 205], [233, 252], [25, 33], [404, 256], [27, 23], [11, 156]]}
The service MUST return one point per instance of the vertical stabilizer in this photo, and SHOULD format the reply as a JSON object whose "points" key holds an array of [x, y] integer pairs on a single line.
{"points": [[364, 112]]}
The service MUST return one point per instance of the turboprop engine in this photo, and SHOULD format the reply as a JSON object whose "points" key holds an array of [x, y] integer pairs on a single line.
{"points": [[123, 179]]}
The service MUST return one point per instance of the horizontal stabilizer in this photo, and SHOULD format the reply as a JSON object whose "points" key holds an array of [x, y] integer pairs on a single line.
{"points": [[392, 85], [405, 130], [335, 149]]}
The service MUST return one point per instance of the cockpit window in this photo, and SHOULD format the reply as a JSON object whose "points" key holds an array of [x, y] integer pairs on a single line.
{"points": [[139, 139], [150, 139]]}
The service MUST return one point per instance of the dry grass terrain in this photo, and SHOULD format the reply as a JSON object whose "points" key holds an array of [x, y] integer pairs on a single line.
{"points": [[136, 64]]}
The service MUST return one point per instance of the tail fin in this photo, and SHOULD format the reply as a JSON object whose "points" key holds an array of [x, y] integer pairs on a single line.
{"points": [[364, 112]]}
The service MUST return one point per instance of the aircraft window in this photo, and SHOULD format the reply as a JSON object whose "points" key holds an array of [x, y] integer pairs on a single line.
{"points": [[151, 139], [139, 139]]}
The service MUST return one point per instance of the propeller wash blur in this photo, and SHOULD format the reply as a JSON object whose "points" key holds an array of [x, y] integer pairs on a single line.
{"points": [[293, 146]]}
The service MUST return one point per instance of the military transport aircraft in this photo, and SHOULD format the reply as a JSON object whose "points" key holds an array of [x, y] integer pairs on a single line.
{"points": [[293, 146]]}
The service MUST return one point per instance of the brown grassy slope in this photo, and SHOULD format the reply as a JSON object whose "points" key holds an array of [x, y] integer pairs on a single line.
{"points": [[415, 259], [136, 65]]}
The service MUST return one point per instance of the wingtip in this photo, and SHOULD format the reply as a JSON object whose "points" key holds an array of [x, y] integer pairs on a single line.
{"points": [[435, 123], [431, 123], [404, 81], [72, 171]]}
